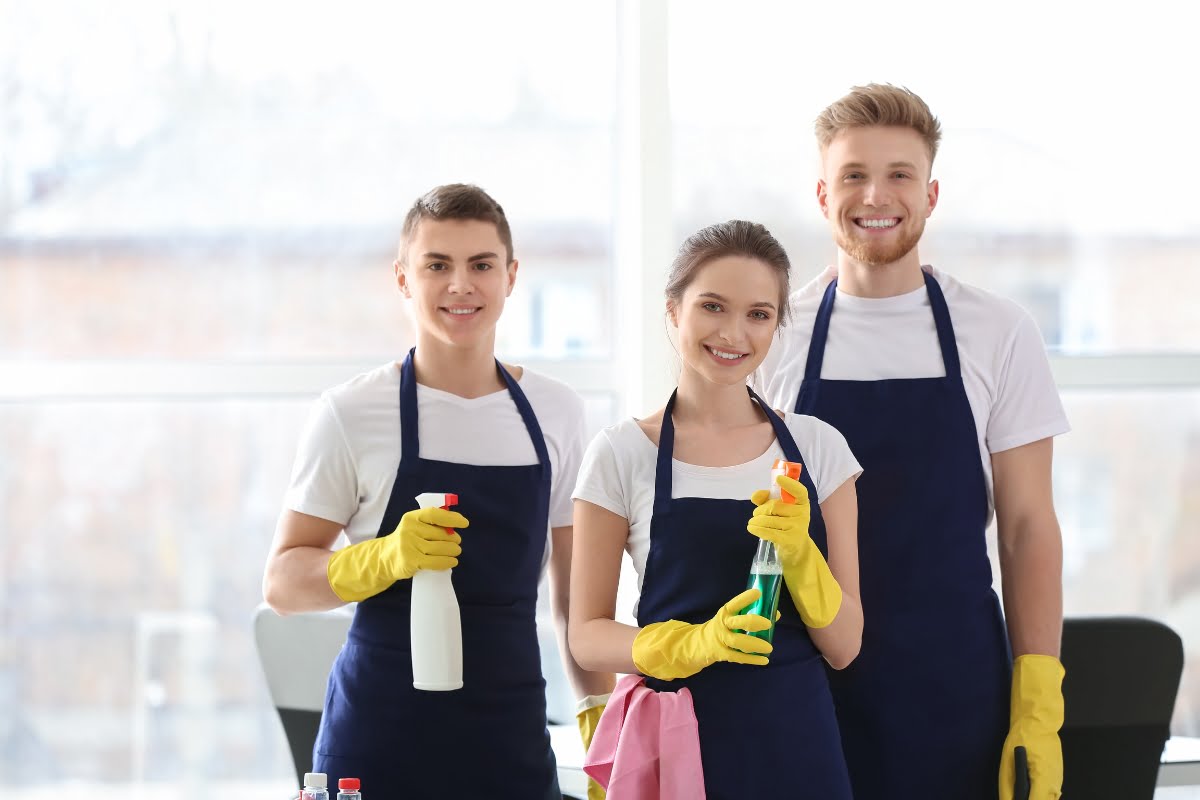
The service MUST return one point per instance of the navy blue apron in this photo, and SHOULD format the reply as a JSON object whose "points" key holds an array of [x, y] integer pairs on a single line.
{"points": [[924, 708], [488, 739], [765, 732]]}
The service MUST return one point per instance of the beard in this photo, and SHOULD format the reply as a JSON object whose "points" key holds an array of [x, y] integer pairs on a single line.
{"points": [[879, 254]]}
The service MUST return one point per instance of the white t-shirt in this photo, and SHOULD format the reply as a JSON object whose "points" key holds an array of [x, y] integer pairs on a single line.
{"points": [[1004, 366], [619, 465], [350, 449]]}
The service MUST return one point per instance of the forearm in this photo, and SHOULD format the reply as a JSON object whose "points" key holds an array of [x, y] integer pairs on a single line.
{"points": [[603, 645], [1031, 571], [296, 580], [840, 640], [583, 682]]}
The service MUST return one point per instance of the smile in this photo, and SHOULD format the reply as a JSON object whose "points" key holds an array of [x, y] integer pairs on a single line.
{"points": [[460, 311], [877, 224], [726, 355]]}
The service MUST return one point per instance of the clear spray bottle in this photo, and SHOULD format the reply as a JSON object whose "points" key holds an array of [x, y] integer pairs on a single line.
{"points": [[766, 571]]}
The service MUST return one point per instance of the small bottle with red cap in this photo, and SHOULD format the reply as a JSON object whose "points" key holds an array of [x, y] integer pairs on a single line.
{"points": [[348, 789]]}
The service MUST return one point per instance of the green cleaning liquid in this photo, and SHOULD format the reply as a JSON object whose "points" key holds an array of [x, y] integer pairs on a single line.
{"points": [[767, 577], [766, 571]]}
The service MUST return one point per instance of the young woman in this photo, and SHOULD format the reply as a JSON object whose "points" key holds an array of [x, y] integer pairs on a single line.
{"points": [[449, 418], [671, 489]]}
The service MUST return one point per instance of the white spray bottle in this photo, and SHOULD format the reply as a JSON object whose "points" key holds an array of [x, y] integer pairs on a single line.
{"points": [[434, 620]]}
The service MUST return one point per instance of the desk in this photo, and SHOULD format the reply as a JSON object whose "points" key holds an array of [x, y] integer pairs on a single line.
{"points": [[1180, 762]]}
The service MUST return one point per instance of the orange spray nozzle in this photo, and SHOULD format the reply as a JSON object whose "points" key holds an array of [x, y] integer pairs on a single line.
{"points": [[788, 468]]}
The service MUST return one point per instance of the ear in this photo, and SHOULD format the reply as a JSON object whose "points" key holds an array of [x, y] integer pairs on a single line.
{"points": [[672, 313], [401, 278], [823, 197], [932, 194], [512, 277]]}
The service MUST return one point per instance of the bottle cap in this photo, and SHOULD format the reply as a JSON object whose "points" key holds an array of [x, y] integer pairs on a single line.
{"points": [[348, 783], [315, 780]]}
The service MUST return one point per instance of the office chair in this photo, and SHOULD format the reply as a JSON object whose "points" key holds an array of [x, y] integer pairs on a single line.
{"points": [[1119, 692], [297, 652]]}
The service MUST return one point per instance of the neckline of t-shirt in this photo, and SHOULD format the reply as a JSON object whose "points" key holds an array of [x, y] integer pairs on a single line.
{"points": [[441, 394], [699, 470], [908, 301]]}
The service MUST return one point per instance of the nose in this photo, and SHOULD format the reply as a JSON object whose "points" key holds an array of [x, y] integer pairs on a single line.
{"points": [[461, 281], [875, 193], [731, 329]]}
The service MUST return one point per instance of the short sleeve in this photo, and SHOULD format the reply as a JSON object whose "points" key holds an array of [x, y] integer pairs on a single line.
{"points": [[324, 480], [826, 453], [570, 456], [1027, 406], [600, 477]]}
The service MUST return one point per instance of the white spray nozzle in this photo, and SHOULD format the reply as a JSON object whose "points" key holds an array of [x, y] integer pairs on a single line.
{"points": [[437, 500]]}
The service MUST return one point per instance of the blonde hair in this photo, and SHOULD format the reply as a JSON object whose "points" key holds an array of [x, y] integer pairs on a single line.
{"points": [[879, 105]]}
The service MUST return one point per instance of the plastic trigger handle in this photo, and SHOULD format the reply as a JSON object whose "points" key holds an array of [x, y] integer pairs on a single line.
{"points": [[451, 500], [788, 468]]}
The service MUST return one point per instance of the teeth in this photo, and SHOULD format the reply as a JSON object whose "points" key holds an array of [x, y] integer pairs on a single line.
{"points": [[722, 354], [877, 223], [461, 311]]}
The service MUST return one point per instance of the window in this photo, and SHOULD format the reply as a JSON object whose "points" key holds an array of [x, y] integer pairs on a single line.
{"points": [[199, 208], [1065, 185]]}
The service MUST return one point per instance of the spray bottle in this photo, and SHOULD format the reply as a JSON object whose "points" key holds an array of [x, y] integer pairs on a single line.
{"points": [[766, 571], [434, 620]]}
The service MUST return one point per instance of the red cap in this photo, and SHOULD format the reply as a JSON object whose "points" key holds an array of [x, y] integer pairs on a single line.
{"points": [[348, 783], [451, 500]]}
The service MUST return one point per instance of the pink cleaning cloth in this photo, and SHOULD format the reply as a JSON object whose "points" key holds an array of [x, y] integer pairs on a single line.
{"points": [[647, 745]]}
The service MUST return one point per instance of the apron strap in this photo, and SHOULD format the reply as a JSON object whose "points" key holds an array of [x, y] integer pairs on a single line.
{"points": [[662, 470], [527, 416], [410, 445], [945, 328], [816, 344], [783, 434]]}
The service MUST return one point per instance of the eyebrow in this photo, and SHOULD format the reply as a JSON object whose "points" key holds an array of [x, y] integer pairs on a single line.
{"points": [[759, 304], [893, 165], [443, 257]]}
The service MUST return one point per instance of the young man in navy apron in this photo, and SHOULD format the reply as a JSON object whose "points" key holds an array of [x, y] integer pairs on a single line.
{"points": [[944, 393], [448, 418]]}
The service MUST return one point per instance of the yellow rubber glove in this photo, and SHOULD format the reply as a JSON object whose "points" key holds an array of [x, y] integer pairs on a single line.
{"points": [[674, 649], [420, 541], [588, 719], [1035, 717], [812, 586]]}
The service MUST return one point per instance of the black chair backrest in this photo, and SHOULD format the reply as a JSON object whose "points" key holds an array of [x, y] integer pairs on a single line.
{"points": [[1122, 677]]}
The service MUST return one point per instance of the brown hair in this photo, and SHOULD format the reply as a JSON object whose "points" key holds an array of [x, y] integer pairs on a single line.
{"points": [[456, 201], [879, 104], [733, 238]]}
